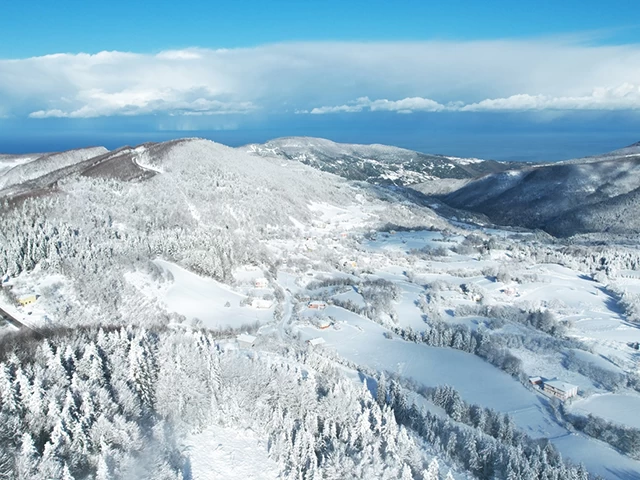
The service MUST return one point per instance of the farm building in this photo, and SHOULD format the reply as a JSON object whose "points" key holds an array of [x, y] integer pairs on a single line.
{"points": [[322, 323], [260, 283], [27, 300], [317, 305], [246, 340], [561, 390], [511, 291], [314, 342], [261, 303]]}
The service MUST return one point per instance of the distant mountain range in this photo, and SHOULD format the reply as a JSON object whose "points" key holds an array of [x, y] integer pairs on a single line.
{"points": [[377, 164], [599, 194]]}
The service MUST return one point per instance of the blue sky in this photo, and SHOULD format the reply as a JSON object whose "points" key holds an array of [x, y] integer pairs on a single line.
{"points": [[521, 80]]}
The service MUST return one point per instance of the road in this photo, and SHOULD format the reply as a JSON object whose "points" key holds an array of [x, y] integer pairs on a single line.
{"points": [[15, 322]]}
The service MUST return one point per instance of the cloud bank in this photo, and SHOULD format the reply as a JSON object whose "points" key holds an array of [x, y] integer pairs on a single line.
{"points": [[324, 78], [624, 97]]}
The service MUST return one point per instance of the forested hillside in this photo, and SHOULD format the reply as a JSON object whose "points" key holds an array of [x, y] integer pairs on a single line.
{"points": [[597, 194]]}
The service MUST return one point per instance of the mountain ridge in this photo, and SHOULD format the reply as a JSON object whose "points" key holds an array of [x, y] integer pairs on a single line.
{"points": [[375, 163], [565, 198]]}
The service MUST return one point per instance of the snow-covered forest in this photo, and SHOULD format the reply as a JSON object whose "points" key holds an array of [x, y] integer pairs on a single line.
{"points": [[184, 294]]}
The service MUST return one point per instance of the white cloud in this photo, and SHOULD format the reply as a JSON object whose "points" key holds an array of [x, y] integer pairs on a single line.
{"points": [[624, 97], [406, 105], [322, 78]]}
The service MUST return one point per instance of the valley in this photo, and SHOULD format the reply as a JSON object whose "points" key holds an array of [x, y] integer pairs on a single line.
{"points": [[363, 296]]}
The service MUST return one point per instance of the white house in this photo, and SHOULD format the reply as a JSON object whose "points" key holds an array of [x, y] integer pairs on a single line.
{"points": [[315, 342], [260, 283], [560, 389], [317, 305], [246, 340], [261, 303]]}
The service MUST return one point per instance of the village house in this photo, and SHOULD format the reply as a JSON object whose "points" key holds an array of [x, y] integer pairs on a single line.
{"points": [[559, 389], [27, 300], [322, 323], [262, 303], [245, 340], [260, 283], [317, 305], [315, 342], [536, 381]]}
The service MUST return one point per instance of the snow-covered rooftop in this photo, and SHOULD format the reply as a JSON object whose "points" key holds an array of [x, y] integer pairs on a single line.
{"points": [[560, 385], [246, 338]]}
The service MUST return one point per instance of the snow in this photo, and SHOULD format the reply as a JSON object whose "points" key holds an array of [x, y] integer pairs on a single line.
{"points": [[598, 457], [201, 298], [245, 338], [409, 315], [362, 341], [620, 408], [7, 162], [351, 296], [405, 241], [229, 453], [596, 360]]}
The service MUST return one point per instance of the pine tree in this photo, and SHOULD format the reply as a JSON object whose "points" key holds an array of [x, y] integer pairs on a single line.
{"points": [[102, 471], [26, 461], [405, 473], [66, 474], [381, 393], [433, 471]]}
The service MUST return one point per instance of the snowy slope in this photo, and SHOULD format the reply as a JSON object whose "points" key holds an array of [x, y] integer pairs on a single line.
{"points": [[564, 199], [37, 167], [7, 162], [163, 235]]}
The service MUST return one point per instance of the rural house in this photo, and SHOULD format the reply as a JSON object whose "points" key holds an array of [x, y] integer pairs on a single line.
{"points": [[314, 342], [317, 305], [27, 300], [260, 283], [559, 389], [246, 340]]}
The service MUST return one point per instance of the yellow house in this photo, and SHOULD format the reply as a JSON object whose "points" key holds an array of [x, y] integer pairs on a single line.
{"points": [[27, 300]]}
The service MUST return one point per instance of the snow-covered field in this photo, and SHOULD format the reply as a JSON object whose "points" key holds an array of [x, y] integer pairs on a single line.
{"points": [[338, 246], [213, 303], [620, 408], [225, 452]]}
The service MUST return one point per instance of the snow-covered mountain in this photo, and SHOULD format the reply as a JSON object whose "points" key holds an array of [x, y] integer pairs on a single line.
{"points": [[23, 168], [201, 311], [378, 164], [595, 194]]}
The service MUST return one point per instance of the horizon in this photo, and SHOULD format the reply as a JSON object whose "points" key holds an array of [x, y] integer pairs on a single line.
{"points": [[521, 147], [504, 81]]}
